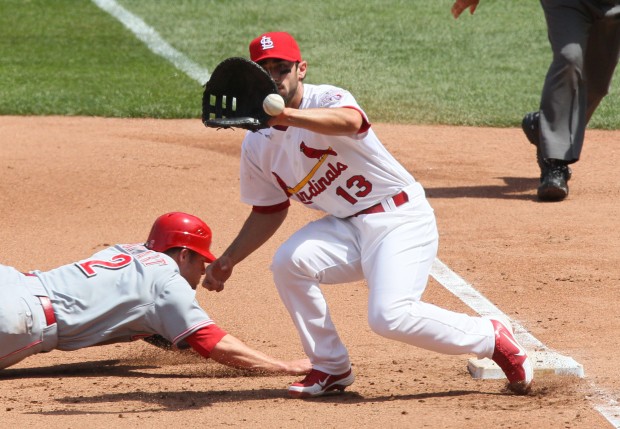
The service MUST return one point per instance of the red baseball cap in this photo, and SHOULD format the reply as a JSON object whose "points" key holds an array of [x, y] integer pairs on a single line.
{"points": [[278, 44]]}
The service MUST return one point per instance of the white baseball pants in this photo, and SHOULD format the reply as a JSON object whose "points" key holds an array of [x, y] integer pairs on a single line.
{"points": [[394, 252]]}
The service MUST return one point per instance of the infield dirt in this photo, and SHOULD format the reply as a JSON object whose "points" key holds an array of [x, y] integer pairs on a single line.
{"points": [[71, 186]]}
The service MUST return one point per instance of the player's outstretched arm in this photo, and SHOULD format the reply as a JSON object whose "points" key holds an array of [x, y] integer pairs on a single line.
{"points": [[256, 230], [233, 352], [337, 121], [215, 343]]}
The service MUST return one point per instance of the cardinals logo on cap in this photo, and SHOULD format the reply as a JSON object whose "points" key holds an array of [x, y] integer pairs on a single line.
{"points": [[266, 42], [277, 45]]}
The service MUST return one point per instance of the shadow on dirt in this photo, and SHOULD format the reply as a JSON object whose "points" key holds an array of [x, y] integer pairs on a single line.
{"points": [[184, 400], [515, 188], [83, 369], [159, 367]]}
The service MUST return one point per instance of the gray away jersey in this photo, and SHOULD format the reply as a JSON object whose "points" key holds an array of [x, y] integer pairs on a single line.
{"points": [[122, 293]]}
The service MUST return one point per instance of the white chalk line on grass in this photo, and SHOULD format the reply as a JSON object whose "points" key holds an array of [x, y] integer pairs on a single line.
{"points": [[604, 402], [153, 40]]}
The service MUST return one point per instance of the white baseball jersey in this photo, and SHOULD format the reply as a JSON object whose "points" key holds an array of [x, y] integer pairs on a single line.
{"points": [[339, 175], [393, 251], [122, 293]]}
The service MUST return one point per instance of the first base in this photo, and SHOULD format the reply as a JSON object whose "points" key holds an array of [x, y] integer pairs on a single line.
{"points": [[544, 362]]}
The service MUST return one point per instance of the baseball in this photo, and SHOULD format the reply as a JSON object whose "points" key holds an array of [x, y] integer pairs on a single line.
{"points": [[273, 104]]}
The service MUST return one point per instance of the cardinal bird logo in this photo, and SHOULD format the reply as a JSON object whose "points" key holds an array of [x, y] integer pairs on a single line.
{"points": [[312, 153], [316, 153]]}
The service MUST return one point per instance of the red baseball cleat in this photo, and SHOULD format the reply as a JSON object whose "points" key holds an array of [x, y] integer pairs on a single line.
{"points": [[318, 383], [512, 359]]}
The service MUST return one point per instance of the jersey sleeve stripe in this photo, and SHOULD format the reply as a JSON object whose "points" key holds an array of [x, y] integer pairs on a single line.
{"points": [[365, 123], [191, 330]]}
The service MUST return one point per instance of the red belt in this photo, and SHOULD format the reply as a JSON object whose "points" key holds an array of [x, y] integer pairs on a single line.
{"points": [[398, 199], [48, 310]]}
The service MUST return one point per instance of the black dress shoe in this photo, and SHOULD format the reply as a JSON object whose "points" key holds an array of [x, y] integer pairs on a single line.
{"points": [[553, 186]]}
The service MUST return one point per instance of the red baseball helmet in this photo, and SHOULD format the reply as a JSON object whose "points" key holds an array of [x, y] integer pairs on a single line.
{"points": [[177, 229]]}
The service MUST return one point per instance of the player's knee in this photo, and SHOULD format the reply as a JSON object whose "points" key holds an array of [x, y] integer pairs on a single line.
{"points": [[284, 258], [280, 261], [287, 264], [384, 323], [572, 58], [392, 320]]}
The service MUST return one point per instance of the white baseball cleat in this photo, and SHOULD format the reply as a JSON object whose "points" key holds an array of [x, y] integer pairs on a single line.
{"points": [[318, 383], [511, 357]]}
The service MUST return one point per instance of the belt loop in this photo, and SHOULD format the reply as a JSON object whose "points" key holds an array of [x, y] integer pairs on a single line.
{"points": [[389, 205], [48, 310]]}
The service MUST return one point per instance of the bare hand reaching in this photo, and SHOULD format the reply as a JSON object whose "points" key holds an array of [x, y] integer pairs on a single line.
{"points": [[298, 367], [217, 273]]}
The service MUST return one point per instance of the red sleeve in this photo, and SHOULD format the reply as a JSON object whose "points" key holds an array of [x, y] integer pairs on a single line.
{"points": [[205, 339], [272, 209], [365, 124]]}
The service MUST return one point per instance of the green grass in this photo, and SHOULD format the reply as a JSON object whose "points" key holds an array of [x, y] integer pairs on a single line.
{"points": [[406, 61], [70, 58]]}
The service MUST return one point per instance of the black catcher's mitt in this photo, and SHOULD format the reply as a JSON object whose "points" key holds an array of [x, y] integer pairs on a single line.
{"points": [[233, 96]]}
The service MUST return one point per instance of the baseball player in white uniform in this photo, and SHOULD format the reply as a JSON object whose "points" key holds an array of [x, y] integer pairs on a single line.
{"points": [[322, 152], [124, 293]]}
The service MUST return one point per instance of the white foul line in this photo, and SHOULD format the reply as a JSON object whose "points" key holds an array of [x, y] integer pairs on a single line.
{"points": [[476, 301], [603, 401], [153, 40]]}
